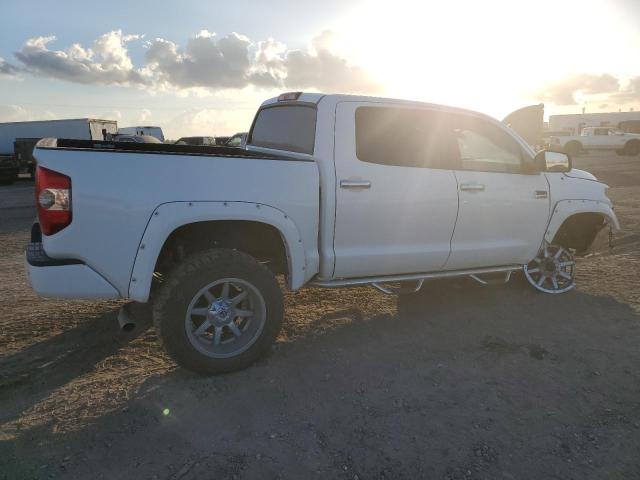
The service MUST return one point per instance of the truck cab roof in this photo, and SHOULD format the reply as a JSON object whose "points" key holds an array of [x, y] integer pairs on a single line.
{"points": [[316, 98]]}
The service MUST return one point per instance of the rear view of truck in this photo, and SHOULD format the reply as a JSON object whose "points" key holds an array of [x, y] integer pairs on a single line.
{"points": [[204, 231]]}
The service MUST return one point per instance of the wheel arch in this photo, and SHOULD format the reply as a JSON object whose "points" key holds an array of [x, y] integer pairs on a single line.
{"points": [[575, 223], [170, 218]]}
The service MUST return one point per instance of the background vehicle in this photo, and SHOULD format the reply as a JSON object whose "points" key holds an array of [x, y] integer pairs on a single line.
{"points": [[135, 138], [143, 130], [18, 138], [575, 122], [222, 140], [237, 140], [599, 138], [23, 148], [331, 190], [196, 141]]}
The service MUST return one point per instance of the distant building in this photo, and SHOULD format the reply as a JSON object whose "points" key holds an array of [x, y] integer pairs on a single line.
{"points": [[574, 123]]}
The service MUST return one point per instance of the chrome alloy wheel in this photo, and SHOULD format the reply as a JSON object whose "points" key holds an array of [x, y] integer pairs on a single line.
{"points": [[225, 317], [552, 271]]}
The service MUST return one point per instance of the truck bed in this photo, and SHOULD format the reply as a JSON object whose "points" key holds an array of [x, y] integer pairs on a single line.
{"points": [[116, 189], [156, 148]]}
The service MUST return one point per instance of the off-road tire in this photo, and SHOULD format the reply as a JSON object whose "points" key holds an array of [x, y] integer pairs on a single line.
{"points": [[195, 272], [573, 148], [632, 148]]}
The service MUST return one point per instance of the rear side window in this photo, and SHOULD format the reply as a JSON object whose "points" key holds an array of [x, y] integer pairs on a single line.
{"points": [[285, 127], [403, 137]]}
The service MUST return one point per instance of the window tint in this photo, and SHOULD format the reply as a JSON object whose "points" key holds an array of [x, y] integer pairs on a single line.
{"points": [[485, 147], [286, 127], [403, 137]]}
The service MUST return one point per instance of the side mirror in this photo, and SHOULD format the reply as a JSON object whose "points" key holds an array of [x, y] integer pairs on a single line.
{"points": [[550, 161]]}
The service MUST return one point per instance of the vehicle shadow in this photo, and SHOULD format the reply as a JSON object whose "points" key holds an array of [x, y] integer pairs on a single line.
{"points": [[460, 369], [33, 373]]}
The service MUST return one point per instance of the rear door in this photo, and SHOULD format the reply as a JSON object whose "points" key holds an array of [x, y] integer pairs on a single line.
{"points": [[395, 207], [503, 210]]}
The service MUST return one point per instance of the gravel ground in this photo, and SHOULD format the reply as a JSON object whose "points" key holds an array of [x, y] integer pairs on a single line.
{"points": [[466, 382]]}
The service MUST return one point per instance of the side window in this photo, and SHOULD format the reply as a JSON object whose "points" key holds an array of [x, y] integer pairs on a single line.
{"points": [[485, 147], [405, 137]]}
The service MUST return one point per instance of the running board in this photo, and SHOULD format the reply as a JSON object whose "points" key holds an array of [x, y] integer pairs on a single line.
{"points": [[346, 282]]}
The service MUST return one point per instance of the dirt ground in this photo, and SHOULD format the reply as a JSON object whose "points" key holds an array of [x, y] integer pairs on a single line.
{"points": [[470, 382]]}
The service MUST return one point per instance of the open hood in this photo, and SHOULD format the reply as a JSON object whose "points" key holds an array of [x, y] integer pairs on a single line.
{"points": [[528, 122]]}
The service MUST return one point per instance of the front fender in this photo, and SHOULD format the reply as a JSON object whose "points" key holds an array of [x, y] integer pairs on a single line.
{"points": [[169, 216], [566, 208]]}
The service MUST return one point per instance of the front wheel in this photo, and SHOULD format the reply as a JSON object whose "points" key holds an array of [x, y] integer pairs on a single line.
{"points": [[552, 271], [218, 311]]}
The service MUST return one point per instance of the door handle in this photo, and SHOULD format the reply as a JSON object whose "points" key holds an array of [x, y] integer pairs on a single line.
{"points": [[355, 184], [541, 194], [472, 187]]}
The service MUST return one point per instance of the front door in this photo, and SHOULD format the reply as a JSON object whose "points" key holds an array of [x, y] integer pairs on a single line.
{"points": [[394, 212], [503, 211]]}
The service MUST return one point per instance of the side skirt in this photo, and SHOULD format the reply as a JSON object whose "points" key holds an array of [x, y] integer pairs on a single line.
{"points": [[347, 282]]}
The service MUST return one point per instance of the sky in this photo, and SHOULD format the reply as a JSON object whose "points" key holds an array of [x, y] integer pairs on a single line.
{"points": [[203, 67]]}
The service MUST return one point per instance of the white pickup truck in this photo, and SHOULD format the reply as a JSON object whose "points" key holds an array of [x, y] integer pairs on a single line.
{"points": [[599, 138], [330, 191]]}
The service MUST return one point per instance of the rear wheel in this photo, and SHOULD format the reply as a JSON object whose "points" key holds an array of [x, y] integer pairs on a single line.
{"points": [[632, 147], [218, 311], [573, 148]]}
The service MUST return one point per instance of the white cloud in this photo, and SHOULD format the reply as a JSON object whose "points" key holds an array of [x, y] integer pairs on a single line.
{"points": [[564, 92], [207, 63], [606, 91], [316, 68], [108, 62], [7, 69], [208, 122], [142, 116], [16, 113], [109, 115]]}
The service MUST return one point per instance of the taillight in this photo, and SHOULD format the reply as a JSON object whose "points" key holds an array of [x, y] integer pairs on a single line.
{"points": [[53, 199]]}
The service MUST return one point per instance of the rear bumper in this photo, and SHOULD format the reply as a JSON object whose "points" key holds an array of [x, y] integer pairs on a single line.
{"points": [[50, 277]]}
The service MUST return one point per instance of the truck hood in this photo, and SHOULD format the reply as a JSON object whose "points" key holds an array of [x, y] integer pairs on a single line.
{"points": [[527, 122], [575, 173]]}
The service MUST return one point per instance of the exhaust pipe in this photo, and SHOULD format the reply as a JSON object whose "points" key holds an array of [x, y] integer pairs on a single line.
{"points": [[125, 320]]}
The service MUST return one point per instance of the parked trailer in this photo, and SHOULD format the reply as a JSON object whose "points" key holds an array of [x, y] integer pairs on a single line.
{"points": [[14, 161]]}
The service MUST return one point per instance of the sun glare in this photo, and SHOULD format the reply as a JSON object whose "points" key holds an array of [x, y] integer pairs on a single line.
{"points": [[491, 55]]}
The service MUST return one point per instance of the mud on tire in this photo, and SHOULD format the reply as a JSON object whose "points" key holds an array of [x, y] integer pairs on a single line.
{"points": [[194, 293]]}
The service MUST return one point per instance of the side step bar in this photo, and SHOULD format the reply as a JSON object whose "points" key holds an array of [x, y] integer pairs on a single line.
{"points": [[346, 282]]}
